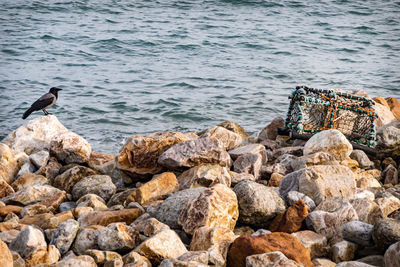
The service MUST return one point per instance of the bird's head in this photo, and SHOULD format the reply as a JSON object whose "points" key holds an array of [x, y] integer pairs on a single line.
{"points": [[54, 90]]}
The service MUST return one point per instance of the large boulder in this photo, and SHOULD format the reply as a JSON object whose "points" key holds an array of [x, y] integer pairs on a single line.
{"points": [[320, 182], [204, 175], [258, 204], [69, 147], [31, 194], [27, 241], [330, 141], [215, 206], [139, 155], [388, 139], [195, 152], [228, 138], [10, 163], [100, 185]]}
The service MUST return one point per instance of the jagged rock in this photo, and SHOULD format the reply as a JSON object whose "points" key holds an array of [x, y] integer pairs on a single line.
{"points": [[249, 163], [65, 235], [70, 177], [258, 204], [51, 170], [320, 182], [31, 194], [101, 257], [330, 141], [388, 139], [176, 263], [149, 226], [109, 216], [81, 261], [392, 255], [86, 238], [135, 258], [238, 177], [215, 206], [294, 196], [244, 246], [391, 175], [69, 147], [42, 255], [197, 256], [205, 175], [27, 167], [91, 200], [40, 158], [5, 189], [118, 237], [271, 259], [385, 116], [100, 185], [362, 159], [97, 160], [6, 258], [156, 188], [5, 210], [228, 138], [388, 204], [168, 211], [119, 198], [292, 219], [316, 244], [27, 241], [275, 179], [139, 155], [358, 232], [319, 158], [10, 163], [367, 179], [195, 152], [367, 210], [386, 232], [33, 210], [351, 164], [234, 127], [343, 251], [321, 262], [215, 241], [271, 130], [164, 245], [249, 149]]}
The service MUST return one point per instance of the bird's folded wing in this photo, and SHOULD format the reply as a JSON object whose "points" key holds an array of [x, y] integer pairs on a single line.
{"points": [[43, 102]]}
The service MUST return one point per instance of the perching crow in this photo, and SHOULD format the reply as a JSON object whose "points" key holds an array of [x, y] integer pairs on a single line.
{"points": [[44, 102]]}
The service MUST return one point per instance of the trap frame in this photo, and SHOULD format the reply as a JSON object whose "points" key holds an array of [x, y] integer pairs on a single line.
{"points": [[314, 110]]}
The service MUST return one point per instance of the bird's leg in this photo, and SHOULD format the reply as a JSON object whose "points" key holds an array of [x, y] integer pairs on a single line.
{"points": [[45, 112]]}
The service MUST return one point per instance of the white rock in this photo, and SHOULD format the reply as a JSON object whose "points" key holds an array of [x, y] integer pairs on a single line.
{"points": [[39, 158], [343, 251], [69, 147], [65, 235], [228, 138], [27, 241]]}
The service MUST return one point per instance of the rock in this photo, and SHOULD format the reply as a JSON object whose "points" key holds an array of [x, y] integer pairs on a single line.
{"points": [[93, 201], [367, 210], [271, 130], [32, 210], [386, 232], [81, 211], [69, 147], [65, 235], [43, 255], [100, 185], [261, 232], [70, 177], [168, 211], [234, 127], [109, 216], [195, 152], [27, 241], [291, 150], [40, 158], [374, 260], [244, 246], [292, 219], [343, 251], [248, 163], [358, 232], [385, 116], [156, 188], [117, 175], [28, 179], [388, 139], [97, 160], [81, 261], [319, 158], [215, 206], [258, 204], [118, 237], [139, 155], [238, 177], [392, 255], [316, 244], [329, 223], [388, 161], [353, 264], [31, 194], [6, 259], [5, 210], [294, 196], [86, 238], [367, 180], [101, 257], [164, 245], [388, 204], [135, 258], [5, 189], [215, 241], [27, 167], [205, 175], [329, 141], [56, 220], [148, 226], [198, 256], [394, 105], [119, 198], [362, 159], [53, 202], [176, 262], [228, 138], [320, 182], [10, 163], [249, 149], [271, 259], [323, 263], [275, 179], [66, 206], [391, 175]]}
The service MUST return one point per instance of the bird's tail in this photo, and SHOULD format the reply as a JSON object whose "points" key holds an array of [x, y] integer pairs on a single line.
{"points": [[27, 113]]}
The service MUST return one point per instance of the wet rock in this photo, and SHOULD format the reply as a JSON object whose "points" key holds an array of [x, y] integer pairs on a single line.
{"points": [[5, 189], [275, 179], [362, 159], [316, 244], [43, 255], [320, 182], [343, 251], [229, 139], [358, 232], [135, 258], [81, 261], [65, 235], [205, 175], [139, 155], [31, 194], [70, 177], [271, 259], [329, 141], [248, 163], [69, 147], [27, 241], [386, 232], [292, 219], [91, 200], [319, 158], [391, 175], [392, 255], [250, 245], [86, 238], [215, 241], [388, 139], [168, 211], [164, 245], [195, 152], [118, 237], [109, 216], [294, 196], [156, 188], [258, 204], [9, 163], [6, 258], [367, 210], [100, 185], [271, 130], [215, 206], [40, 158]]}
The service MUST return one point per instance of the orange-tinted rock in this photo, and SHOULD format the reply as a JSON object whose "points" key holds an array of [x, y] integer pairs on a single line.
{"points": [[53, 202], [55, 221], [47, 255], [110, 216], [381, 101], [70, 177], [385, 116], [5, 189], [275, 179], [51, 170], [96, 159], [28, 179], [37, 220], [6, 259], [394, 105], [4, 211], [9, 163], [291, 220], [249, 245]]}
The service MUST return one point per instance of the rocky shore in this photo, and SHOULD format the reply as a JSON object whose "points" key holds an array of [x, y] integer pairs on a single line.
{"points": [[215, 198]]}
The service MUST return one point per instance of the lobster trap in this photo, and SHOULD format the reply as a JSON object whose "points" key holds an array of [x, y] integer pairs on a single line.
{"points": [[313, 110]]}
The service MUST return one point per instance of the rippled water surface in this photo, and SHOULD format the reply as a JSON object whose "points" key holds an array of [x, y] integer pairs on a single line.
{"points": [[135, 67]]}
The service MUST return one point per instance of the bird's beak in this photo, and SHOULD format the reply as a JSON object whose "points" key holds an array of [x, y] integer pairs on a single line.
{"points": [[59, 89]]}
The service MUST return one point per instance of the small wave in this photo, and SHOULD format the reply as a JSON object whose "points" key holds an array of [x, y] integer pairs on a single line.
{"points": [[181, 84], [48, 37]]}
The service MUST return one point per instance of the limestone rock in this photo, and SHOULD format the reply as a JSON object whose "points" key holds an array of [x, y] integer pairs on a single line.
{"points": [[27, 241], [249, 149], [205, 175], [319, 158], [320, 182], [70, 177], [363, 161], [316, 244], [6, 259], [9, 163], [51, 170], [86, 238], [118, 237], [228, 138], [385, 116], [358, 232], [26, 167], [248, 163], [234, 127], [93, 201], [271, 130], [388, 139], [330, 141], [367, 210], [391, 175], [42, 255], [5, 189], [135, 258], [28, 179], [294, 196], [81, 261], [31, 194], [65, 235], [257, 203], [97, 160], [367, 180], [139, 155], [56, 220], [322, 262], [386, 232], [271, 259], [100, 185], [394, 105], [156, 188], [388, 204], [69, 147], [392, 255], [215, 206], [164, 245], [343, 251], [275, 179], [109, 216], [292, 219], [101, 257], [195, 152], [245, 246], [40, 158]]}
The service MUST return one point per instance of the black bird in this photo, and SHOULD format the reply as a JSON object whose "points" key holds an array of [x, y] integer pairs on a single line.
{"points": [[44, 102]]}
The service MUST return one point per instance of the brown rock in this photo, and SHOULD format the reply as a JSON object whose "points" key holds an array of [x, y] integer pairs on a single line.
{"points": [[47, 255], [391, 175], [93, 201], [205, 175], [4, 211], [109, 216], [96, 160], [135, 258], [275, 179], [17, 260], [249, 163], [86, 238], [321, 262], [118, 237], [394, 106], [119, 198], [38, 219], [388, 204], [229, 139], [158, 187], [53, 202], [139, 155], [392, 255], [249, 245], [33, 210], [6, 259], [81, 261], [100, 257], [291, 220], [9, 163], [55, 221], [271, 130], [249, 149], [51, 170], [367, 210], [31, 194], [69, 147], [5, 189], [28, 179], [385, 116], [381, 101], [271, 259], [234, 127], [315, 243], [70, 177]]}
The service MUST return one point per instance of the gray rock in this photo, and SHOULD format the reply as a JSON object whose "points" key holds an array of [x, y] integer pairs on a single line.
{"points": [[100, 185], [261, 232], [39, 159], [86, 239], [386, 232], [238, 177], [118, 237], [248, 163], [65, 206], [65, 235], [319, 158], [388, 139], [390, 175], [374, 260], [362, 159], [358, 232], [294, 196], [27, 167], [27, 241], [249, 149], [353, 264], [257, 203], [343, 251], [392, 255]]}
